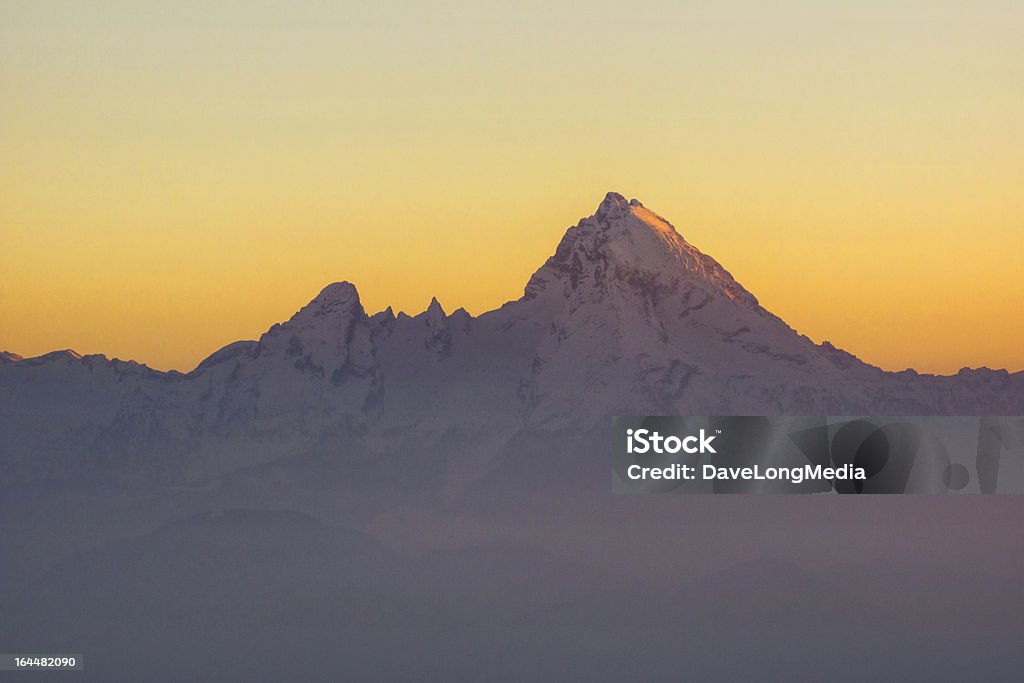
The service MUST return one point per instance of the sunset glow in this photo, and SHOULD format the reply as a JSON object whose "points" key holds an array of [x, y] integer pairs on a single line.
{"points": [[174, 177]]}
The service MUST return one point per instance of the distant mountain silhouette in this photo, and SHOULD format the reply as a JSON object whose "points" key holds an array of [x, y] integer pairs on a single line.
{"points": [[626, 317]]}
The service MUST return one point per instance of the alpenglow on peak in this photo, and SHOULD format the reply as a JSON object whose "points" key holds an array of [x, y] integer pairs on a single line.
{"points": [[627, 245], [615, 204]]}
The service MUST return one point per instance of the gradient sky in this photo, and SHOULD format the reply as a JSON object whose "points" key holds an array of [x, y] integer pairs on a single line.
{"points": [[176, 176]]}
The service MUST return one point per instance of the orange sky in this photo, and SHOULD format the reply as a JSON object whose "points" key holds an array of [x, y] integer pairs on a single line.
{"points": [[176, 178]]}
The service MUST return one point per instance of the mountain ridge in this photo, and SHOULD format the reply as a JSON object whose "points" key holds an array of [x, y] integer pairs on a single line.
{"points": [[626, 317], [614, 206]]}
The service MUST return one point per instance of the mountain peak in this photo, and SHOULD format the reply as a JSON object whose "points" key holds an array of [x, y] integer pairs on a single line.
{"points": [[613, 201], [336, 298], [614, 208], [625, 242], [435, 311], [63, 354], [337, 292], [615, 205], [336, 304]]}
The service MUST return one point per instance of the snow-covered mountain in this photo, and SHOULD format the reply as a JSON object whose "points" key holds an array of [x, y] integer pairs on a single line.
{"points": [[626, 317]]}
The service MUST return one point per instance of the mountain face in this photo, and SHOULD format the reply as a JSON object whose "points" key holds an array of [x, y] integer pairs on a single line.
{"points": [[393, 497], [625, 318]]}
